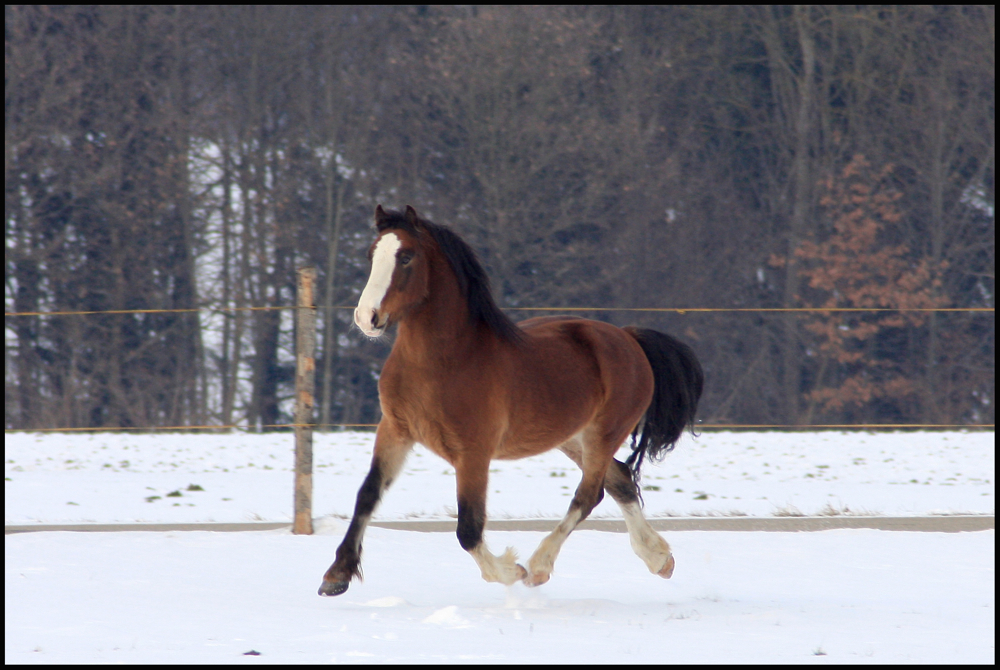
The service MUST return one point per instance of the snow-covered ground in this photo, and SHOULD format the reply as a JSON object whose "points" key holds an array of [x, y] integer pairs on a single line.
{"points": [[130, 478], [843, 596]]}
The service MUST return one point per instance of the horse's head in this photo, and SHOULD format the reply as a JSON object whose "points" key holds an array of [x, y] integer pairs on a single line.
{"points": [[399, 278]]}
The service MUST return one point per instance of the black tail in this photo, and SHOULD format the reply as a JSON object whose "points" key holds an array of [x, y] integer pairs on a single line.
{"points": [[678, 382]]}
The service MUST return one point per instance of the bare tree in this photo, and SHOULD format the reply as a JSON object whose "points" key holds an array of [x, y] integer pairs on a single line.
{"points": [[186, 157]]}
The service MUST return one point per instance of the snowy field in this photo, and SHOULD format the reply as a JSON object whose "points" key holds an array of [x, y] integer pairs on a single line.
{"points": [[110, 478], [841, 596]]}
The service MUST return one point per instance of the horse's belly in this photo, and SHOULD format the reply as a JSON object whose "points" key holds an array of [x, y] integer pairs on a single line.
{"points": [[546, 421]]}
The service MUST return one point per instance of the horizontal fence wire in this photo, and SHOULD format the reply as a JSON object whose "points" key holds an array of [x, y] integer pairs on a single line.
{"points": [[206, 427], [160, 311], [795, 427], [684, 310], [674, 310]]}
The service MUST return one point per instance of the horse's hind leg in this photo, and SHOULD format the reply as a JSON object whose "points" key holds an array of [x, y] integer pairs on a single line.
{"points": [[472, 476], [588, 494], [390, 454], [646, 542]]}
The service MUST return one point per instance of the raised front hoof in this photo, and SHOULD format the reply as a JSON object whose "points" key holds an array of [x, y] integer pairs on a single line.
{"points": [[333, 588], [510, 576], [536, 578], [668, 568]]}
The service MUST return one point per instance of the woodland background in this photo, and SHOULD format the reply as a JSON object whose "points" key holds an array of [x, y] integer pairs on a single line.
{"points": [[165, 157]]}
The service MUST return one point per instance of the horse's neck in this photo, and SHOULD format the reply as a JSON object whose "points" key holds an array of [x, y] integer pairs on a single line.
{"points": [[440, 328]]}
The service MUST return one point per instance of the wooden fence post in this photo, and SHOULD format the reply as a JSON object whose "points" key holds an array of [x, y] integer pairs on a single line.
{"points": [[305, 387]]}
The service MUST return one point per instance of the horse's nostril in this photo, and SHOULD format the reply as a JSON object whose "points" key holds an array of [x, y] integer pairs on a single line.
{"points": [[374, 318]]}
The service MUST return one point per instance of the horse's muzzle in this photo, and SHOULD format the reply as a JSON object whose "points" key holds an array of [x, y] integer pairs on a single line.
{"points": [[369, 325]]}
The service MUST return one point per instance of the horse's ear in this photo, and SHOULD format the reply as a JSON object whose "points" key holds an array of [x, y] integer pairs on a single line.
{"points": [[411, 217], [381, 218]]}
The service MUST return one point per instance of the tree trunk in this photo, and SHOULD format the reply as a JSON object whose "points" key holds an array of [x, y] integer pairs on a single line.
{"points": [[802, 178]]}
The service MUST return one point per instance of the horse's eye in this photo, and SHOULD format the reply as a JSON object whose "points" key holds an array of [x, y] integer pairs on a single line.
{"points": [[404, 259]]}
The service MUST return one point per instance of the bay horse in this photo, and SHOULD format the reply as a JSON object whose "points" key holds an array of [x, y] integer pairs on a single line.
{"points": [[471, 385]]}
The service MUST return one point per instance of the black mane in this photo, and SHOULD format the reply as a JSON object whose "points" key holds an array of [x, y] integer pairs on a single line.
{"points": [[472, 279]]}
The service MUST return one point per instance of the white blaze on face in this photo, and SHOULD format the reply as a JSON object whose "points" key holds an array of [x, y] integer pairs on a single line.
{"points": [[383, 264]]}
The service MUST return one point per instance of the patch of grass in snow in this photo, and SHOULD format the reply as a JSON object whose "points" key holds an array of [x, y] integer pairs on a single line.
{"points": [[844, 510], [680, 616]]}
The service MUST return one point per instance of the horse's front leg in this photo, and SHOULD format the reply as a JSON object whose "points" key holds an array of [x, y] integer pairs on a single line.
{"points": [[390, 453], [472, 479]]}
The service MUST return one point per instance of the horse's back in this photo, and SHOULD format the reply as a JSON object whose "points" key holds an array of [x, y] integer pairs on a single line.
{"points": [[572, 339], [611, 353]]}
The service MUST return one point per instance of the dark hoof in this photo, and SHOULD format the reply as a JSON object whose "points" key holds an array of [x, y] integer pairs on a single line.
{"points": [[333, 588]]}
